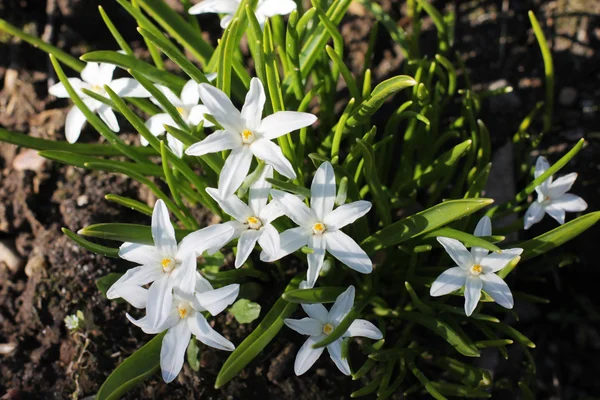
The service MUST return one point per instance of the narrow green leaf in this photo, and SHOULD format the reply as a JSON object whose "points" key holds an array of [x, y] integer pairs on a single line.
{"points": [[466, 238], [126, 232], [548, 70], [80, 160], [192, 354], [130, 203], [115, 32], [93, 247], [313, 296], [424, 380], [290, 187], [451, 389]]}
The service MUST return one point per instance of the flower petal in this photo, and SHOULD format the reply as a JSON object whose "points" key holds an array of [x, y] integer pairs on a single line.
{"points": [[556, 212], [74, 124], [316, 311], [171, 97], [322, 191], [184, 276], [562, 185], [498, 290], [140, 254], [168, 323], [160, 300], [137, 276], [91, 72], [541, 165], [232, 205], [259, 191], [215, 301], [163, 232], [472, 293], [269, 239], [307, 356], [270, 213], [346, 214], [127, 87], [156, 123], [483, 228], [253, 106], [215, 142], [189, 93], [105, 73], [173, 349], [234, 170], [335, 353], [496, 261], [211, 237], [294, 208], [202, 284], [315, 259], [246, 244], [570, 202], [364, 328], [197, 115], [59, 90], [305, 326], [214, 6], [221, 108], [289, 241], [270, 8], [534, 214], [342, 306], [271, 154], [450, 280], [284, 122], [207, 335], [348, 252], [108, 116], [457, 251], [137, 296], [175, 145]]}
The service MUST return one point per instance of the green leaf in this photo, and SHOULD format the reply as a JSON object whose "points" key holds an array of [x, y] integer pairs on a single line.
{"points": [[135, 369], [80, 160], [105, 282], [451, 389], [234, 275], [192, 354], [93, 247], [313, 296], [466, 238], [423, 222], [290, 187], [259, 338], [440, 167], [557, 236], [115, 32], [548, 70], [245, 311], [515, 334], [126, 232], [130, 203]]}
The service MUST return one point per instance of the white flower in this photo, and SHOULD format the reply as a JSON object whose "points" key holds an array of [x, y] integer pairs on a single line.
{"points": [[193, 296], [320, 324], [553, 197], [253, 220], [95, 76], [189, 109], [264, 9], [246, 134], [320, 226], [162, 264], [72, 322], [476, 270]]}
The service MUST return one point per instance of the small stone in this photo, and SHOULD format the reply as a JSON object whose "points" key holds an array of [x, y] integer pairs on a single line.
{"points": [[10, 257], [567, 96], [29, 159], [82, 200], [34, 266], [7, 348]]}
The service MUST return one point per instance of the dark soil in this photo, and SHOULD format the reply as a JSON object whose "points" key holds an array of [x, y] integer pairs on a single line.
{"points": [[56, 278]]}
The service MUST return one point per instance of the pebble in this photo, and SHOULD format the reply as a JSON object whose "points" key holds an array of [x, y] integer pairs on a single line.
{"points": [[29, 159], [10, 257], [34, 266], [7, 348], [567, 96], [82, 200]]}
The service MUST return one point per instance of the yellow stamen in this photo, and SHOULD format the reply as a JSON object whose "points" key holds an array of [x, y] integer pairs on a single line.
{"points": [[254, 223], [167, 264], [476, 269], [318, 228], [246, 134], [182, 312], [327, 329], [180, 110]]}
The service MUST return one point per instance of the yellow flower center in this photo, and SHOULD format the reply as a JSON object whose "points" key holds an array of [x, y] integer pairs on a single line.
{"points": [[97, 88], [254, 223], [476, 269], [180, 110], [183, 311], [318, 228], [327, 329], [247, 136], [168, 264]]}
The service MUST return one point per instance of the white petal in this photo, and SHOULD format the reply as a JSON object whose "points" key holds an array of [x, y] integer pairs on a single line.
{"points": [[137, 296], [156, 123], [197, 115], [215, 301], [232, 205], [294, 208], [246, 244], [234, 170], [127, 87], [137, 276], [105, 73], [236, 228], [457, 251], [335, 353], [307, 356], [59, 90], [497, 289], [221, 108], [348, 252], [215, 6], [315, 259], [496, 261], [472, 293], [215, 142], [317, 311], [289, 241], [541, 165], [270, 8], [202, 284], [171, 97], [253, 106], [163, 232], [346, 214], [160, 300], [269, 240], [184, 276], [342, 306], [556, 212], [483, 228], [283, 122], [534, 214], [364, 328], [189, 93], [450, 280], [271, 154], [143, 323], [140, 254], [259, 190], [322, 191], [74, 124], [570, 202], [562, 185], [211, 237], [175, 145], [108, 116], [207, 335], [173, 349], [305, 326], [226, 20], [91, 73], [270, 213]]}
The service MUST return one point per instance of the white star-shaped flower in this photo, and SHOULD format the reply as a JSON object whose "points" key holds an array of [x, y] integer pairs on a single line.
{"points": [[189, 109], [253, 220], [93, 77], [191, 297], [162, 264], [246, 134], [320, 226], [476, 270], [320, 324], [264, 9], [553, 197]]}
